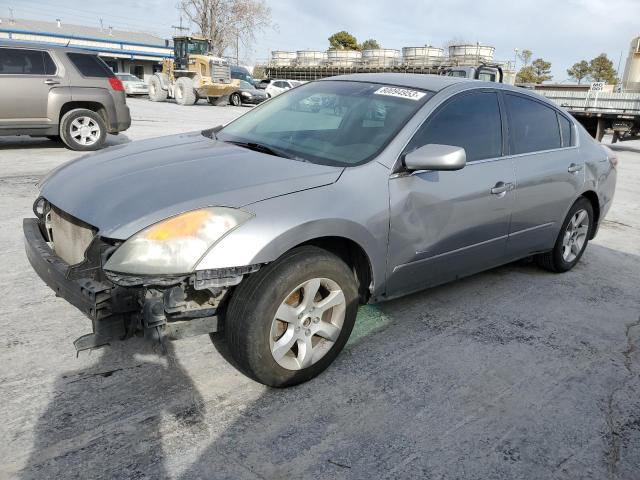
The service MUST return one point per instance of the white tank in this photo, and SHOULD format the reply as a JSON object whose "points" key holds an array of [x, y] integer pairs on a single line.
{"points": [[631, 77], [380, 57], [422, 56], [471, 53], [280, 58], [343, 58], [309, 57]]}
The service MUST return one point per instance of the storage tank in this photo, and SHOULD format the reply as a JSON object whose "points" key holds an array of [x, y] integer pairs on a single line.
{"points": [[631, 77], [380, 57], [422, 56], [309, 58], [343, 58], [471, 53], [280, 58]]}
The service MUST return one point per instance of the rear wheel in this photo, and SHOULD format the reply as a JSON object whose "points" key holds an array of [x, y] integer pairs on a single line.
{"points": [[287, 322], [156, 92], [235, 99], [185, 93], [572, 239], [82, 129]]}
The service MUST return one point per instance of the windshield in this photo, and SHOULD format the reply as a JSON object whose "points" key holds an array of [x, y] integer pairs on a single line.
{"points": [[241, 75], [329, 122], [246, 85], [128, 78]]}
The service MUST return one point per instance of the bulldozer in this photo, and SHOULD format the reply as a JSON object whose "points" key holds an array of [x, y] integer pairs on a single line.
{"points": [[193, 73]]}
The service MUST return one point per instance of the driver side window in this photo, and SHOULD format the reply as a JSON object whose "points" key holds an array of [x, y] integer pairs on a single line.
{"points": [[470, 120]]}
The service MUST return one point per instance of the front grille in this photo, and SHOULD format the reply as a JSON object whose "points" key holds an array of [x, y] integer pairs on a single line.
{"points": [[70, 237], [220, 72]]}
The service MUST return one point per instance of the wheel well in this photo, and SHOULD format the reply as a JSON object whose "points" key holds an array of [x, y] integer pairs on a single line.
{"points": [[595, 204], [354, 256], [93, 106]]}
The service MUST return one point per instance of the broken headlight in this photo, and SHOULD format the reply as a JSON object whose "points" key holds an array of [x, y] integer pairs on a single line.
{"points": [[175, 245]]}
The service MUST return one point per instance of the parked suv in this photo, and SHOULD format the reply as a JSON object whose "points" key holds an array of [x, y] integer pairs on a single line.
{"points": [[60, 93]]}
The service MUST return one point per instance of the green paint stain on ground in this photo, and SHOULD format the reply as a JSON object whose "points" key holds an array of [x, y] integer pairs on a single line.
{"points": [[369, 321]]}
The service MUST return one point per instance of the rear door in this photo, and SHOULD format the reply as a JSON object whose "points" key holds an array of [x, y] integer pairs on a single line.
{"points": [[549, 172], [445, 225], [26, 78]]}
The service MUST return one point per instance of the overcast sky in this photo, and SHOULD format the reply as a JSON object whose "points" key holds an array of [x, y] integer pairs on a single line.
{"points": [[560, 31]]}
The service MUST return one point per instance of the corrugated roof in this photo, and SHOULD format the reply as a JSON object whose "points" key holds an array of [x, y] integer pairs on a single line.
{"points": [[72, 30]]}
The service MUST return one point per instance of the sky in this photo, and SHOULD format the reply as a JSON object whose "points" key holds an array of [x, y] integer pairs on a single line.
{"points": [[561, 31]]}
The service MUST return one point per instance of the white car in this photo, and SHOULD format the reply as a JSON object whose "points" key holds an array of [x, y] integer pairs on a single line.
{"points": [[132, 84], [276, 87]]}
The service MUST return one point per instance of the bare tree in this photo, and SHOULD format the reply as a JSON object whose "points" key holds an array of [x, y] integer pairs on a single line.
{"points": [[226, 22]]}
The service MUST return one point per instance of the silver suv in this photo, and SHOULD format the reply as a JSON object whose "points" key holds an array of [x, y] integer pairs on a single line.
{"points": [[60, 93]]}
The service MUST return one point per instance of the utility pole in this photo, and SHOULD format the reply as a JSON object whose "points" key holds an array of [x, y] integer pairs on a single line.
{"points": [[179, 29], [237, 48]]}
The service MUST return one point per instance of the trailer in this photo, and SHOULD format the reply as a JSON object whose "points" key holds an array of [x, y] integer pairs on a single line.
{"points": [[599, 111]]}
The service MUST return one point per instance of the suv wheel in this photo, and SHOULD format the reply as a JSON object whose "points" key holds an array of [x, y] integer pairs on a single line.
{"points": [[572, 239], [287, 322], [83, 129]]}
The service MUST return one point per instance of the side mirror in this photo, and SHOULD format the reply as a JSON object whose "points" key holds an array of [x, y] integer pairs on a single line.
{"points": [[436, 157]]}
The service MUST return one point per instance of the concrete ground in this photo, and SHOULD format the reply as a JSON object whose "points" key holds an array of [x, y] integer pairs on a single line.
{"points": [[513, 373]]}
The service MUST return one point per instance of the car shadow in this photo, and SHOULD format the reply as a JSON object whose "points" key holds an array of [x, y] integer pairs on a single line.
{"points": [[26, 142], [494, 376]]}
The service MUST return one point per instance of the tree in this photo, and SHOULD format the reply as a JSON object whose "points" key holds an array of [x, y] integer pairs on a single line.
{"points": [[225, 22], [526, 75], [602, 70], [369, 44], [343, 41], [580, 70], [525, 55], [542, 70]]}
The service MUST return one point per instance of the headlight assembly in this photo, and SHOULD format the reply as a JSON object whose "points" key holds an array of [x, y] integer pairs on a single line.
{"points": [[175, 245]]}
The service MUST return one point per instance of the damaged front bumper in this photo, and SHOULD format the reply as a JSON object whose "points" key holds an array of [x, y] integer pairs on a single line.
{"points": [[118, 312]]}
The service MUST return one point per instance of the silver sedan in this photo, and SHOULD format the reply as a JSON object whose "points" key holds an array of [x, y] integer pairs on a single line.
{"points": [[273, 229]]}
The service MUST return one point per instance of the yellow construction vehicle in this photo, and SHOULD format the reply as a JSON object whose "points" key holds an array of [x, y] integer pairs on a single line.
{"points": [[193, 73]]}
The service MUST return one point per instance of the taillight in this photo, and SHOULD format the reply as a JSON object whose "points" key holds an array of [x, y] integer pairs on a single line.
{"points": [[116, 84]]}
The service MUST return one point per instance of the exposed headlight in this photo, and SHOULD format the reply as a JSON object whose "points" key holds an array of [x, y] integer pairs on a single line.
{"points": [[246, 94], [175, 245]]}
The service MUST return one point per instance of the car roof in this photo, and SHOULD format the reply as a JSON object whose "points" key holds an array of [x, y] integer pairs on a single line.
{"points": [[42, 46], [433, 83]]}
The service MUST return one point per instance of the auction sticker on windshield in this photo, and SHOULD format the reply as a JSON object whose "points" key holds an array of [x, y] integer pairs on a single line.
{"points": [[400, 92]]}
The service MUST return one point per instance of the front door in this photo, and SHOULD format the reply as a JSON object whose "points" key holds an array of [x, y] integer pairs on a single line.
{"points": [[444, 225], [26, 78]]}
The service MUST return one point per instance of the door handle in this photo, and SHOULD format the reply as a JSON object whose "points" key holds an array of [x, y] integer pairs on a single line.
{"points": [[501, 188], [51, 81], [574, 168]]}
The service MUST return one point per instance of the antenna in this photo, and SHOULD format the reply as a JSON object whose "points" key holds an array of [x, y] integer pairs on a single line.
{"points": [[13, 20], [101, 25]]}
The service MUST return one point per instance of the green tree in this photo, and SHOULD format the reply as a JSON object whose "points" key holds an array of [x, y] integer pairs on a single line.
{"points": [[526, 75], [602, 70], [525, 55], [580, 70], [369, 44], [542, 70], [343, 41]]}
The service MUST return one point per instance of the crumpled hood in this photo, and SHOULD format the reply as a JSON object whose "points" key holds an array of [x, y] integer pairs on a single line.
{"points": [[126, 188]]}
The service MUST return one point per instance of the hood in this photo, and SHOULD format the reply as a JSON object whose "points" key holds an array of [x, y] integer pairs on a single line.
{"points": [[126, 188]]}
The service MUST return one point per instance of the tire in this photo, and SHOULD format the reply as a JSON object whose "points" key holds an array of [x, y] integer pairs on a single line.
{"points": [[184, 93], [235, 99], [558, 260], [73, 135], [251, 328], [156, 92]]}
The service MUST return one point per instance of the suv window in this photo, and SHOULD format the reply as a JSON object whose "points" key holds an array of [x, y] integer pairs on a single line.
{"points": [[471, 121], [90, 65], [532, 126], [566, 130], [18, 61]]}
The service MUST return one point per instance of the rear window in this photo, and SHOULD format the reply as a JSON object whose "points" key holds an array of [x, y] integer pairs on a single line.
{"points": [[533, 126], [90, 65], [18, 61]]}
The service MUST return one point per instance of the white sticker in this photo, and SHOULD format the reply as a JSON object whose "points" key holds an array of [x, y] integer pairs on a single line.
{"points": [[400, 92]]}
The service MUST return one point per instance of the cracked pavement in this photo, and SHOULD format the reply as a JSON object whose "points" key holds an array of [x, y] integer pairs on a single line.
{"points": [[510, 374]]}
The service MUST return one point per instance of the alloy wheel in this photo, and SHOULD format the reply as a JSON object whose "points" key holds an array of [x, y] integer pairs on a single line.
{"points": [[307, 323], [85, 131], [575, 236]]}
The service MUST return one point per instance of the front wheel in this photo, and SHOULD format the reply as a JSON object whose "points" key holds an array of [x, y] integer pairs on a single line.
{"points": [[235, 99], [185, 94], [572, 239], [287, 322]]}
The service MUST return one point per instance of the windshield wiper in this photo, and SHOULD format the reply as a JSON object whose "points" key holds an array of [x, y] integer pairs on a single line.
{"points": [[259, 147]]}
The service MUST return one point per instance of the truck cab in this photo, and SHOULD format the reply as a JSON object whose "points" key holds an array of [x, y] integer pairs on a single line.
{"points": [[483, 72]]}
